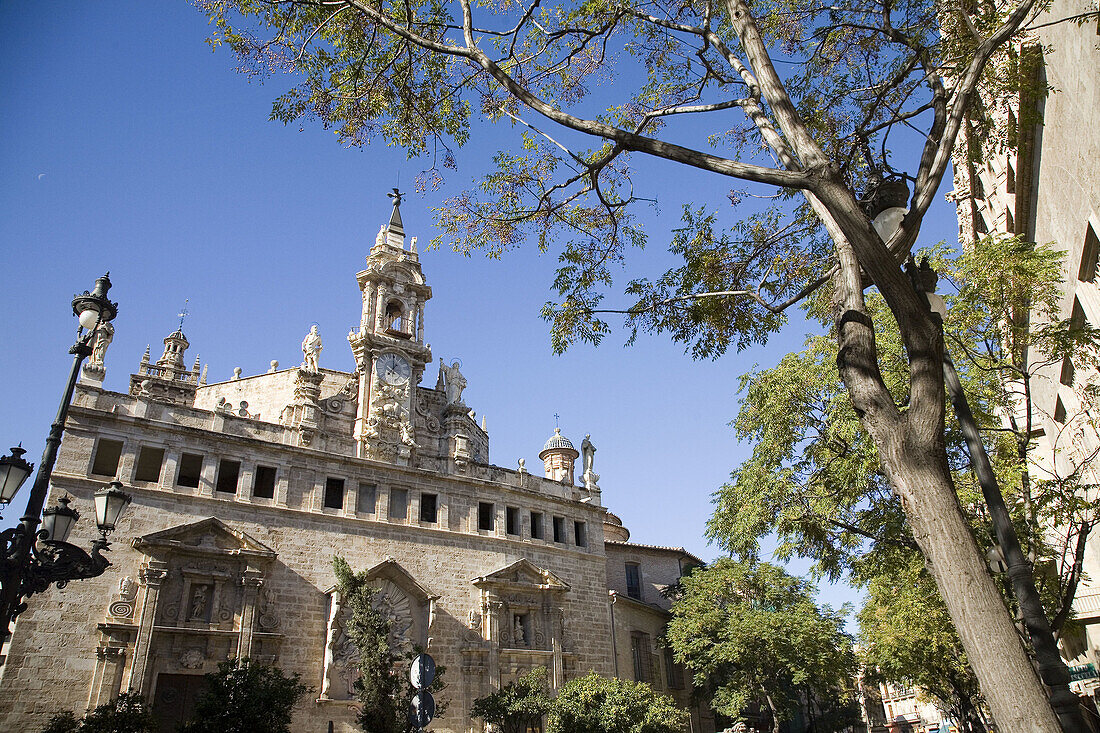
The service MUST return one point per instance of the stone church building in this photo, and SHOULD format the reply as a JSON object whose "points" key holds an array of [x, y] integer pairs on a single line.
{"points": [[244, 490]]}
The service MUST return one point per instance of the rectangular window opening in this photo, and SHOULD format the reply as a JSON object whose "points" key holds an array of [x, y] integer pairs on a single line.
{"points": [[107, 455], [486, 516], [511, 520], [190, 470], [1090, 253], [580, 536], [399, 504], [642, 656], [429, 508], [148, 464], [368, 496], [263, 482], [1060, 412], [334, 493], [673, 671], [228, 473], [536, 525], [633, 580], [559, 529]]}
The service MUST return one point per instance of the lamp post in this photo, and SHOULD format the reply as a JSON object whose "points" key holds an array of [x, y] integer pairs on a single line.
{"points": [[886, 209], [32, 559]]}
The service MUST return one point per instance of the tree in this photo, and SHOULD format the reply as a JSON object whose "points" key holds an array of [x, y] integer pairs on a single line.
{"points": [[382, 687], [753, 634], [246, 697], [597, 704], [125, 714], [518, 706], [416, 72], [907, 636]]}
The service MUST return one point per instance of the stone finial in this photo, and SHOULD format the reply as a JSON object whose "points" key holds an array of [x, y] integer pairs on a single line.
{"points": [[237, 372], [412, 244], [202, 379], [274, 366], [483, 428]]}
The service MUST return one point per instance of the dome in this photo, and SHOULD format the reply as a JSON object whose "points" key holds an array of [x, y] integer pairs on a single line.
{"points": [[558, 442], [613, 528]]}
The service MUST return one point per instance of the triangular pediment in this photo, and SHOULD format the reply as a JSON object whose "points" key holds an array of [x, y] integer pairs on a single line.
{"points": [[392, 571], [522, 573], [209, 536]]}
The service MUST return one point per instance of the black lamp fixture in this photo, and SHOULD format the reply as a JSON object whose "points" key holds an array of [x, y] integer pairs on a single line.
{"points": [[33, 558]]}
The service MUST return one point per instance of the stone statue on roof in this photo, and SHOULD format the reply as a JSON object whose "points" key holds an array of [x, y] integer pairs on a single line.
{"points": [[453, 382], [311, 349]]}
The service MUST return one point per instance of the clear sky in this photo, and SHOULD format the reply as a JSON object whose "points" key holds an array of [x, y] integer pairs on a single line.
{"points": [[127, 145]]}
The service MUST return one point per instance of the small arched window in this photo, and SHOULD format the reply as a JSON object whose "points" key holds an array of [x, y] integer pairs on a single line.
{"points": [[395, 317]]}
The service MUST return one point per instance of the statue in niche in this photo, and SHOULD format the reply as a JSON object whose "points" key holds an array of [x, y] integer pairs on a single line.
{"points": [[311, 349], [453, 382], [199, 600], [518, 633], [104, 334]]}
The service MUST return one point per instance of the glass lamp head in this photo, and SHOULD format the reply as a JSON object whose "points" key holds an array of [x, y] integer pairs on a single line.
{"points": [[110, 502], [58, 521], [13, 472]]}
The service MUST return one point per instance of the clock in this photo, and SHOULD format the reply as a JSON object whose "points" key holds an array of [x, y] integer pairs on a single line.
{"points": [[393, 368]]}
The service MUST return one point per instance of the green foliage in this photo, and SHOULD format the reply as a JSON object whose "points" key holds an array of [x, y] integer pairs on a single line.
{"points": [[246, 698], [597, 704], [126, 714], [382, 688], [753, 634], [517, 706], [907, 636], [63, 722]]}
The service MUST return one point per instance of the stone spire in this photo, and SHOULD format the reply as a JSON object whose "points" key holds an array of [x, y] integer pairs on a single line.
{"points": [[169, 379], [393, 233]]}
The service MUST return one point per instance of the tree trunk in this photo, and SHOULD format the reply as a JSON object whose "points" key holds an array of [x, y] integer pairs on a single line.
{"points": [[913, 454]]}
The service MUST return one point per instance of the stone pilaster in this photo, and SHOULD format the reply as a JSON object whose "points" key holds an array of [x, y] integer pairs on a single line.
{"points": [[251, 582], [152, 575]]}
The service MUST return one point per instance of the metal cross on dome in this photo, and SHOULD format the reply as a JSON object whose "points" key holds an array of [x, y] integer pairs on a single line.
{"points": [[184, 312]]}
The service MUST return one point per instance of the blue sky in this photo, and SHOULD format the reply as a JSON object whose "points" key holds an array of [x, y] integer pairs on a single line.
{"points": [[127, 145]]}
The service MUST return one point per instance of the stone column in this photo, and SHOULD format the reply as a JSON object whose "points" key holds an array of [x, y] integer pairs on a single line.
{"points": [[493, 609], [557, 672], [152, 575], [380, 309], [251, 582], [420, 324]]}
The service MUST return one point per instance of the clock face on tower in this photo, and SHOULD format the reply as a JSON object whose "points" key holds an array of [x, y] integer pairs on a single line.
{"points": [[393, 368]]}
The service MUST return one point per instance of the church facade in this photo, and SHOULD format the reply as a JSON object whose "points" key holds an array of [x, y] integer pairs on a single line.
{"points": [[245, 490]]}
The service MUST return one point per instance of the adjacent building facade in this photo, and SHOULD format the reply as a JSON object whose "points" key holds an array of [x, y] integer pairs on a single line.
{"points": [[245, 490], [1040, 181]]}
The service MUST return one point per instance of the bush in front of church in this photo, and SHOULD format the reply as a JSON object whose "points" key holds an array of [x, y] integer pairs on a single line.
{"points": [[598, 704], [246, 698], [126, 714]]}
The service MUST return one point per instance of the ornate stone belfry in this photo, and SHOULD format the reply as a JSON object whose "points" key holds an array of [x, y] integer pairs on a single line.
{"points": [[390, 353], [168, 379]]}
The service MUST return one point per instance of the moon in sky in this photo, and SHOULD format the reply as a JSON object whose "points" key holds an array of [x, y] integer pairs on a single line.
{"points": [[41, 176]]}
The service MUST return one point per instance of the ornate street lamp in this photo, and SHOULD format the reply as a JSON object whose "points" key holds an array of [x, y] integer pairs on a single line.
{"points": [[32, 559]]}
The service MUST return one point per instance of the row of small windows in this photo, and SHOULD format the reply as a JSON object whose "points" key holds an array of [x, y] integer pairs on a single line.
{"points": [[227, 480], [486, 521]]}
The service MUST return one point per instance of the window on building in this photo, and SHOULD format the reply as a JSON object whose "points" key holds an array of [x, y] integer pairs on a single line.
{"points": [[228, 473], [399, 504], [334, 493], [107, 455], [263, 482], [486, 516], [1010, 179], [559, 529], [429, 508], [642, 656], [580, 534], [673, 671], [190, 470], [1090, 253], [536, 525], [1067, 374], [148, 464], [1059, 412], [511, 520], [368, 496], [633, 580]]}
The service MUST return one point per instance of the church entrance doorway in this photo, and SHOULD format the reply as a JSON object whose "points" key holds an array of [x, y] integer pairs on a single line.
{"points": [[175, 699]]}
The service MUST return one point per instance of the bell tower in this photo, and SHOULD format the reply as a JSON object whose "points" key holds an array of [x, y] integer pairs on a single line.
{"points": [[390, 353]]}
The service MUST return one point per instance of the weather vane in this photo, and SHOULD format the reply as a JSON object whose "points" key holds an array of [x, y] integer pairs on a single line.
{"points": [[396, 196], [556, 416], [184, 312]]}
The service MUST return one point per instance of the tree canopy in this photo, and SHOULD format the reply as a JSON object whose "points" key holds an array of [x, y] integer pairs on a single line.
{"points": [[752, 633]]}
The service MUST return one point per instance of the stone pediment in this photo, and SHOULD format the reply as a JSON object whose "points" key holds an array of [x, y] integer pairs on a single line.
{"points": [[391, 570], [522, 574], [211, 537]]}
